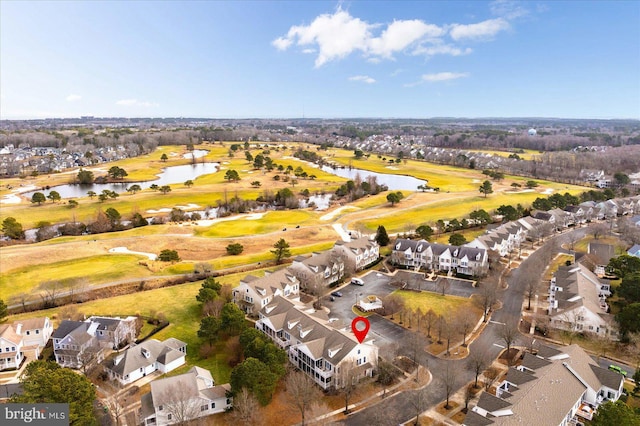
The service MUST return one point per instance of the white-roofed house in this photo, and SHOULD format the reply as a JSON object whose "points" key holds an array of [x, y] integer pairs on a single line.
{"points": [[253, 293], [324, 353], [145, 358], [184, 397], [359, 253]]}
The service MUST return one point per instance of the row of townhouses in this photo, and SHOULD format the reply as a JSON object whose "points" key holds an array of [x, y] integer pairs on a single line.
{"points": [[419, 254], [577, 302], [315, 272], [552, 387], [329, 355]]}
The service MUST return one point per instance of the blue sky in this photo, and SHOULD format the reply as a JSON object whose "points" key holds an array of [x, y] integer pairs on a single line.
{"points": [[286, 59]]}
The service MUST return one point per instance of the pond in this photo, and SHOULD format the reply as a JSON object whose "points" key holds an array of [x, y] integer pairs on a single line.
{"points": [[170, 175], [393, 182]]}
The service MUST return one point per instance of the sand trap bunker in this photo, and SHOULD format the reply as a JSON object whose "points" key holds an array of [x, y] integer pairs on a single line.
{"points": [[209, 222], [151, 256]]}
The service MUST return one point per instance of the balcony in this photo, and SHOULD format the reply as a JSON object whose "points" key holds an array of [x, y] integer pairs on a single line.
{"points": [[585, 411]]}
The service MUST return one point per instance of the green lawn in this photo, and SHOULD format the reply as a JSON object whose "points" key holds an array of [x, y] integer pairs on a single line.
{"points": [[396, 221], [178, 304], [88, 270], [272, 221], [439, 303]]}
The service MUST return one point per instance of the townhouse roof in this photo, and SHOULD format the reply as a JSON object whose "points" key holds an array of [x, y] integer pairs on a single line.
{"points": [[107, 323], [316, 334], [271, 282], [635, 250], [66, 327], [580, 288], [358, 244], [134, 358], [31, 323], [540, 215], [474, 419], [602, 253], [421, 246], [7, 332], [556, 381]]}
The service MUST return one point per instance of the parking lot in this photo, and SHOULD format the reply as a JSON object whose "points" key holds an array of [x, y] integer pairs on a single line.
{"points": [[379, 284]]}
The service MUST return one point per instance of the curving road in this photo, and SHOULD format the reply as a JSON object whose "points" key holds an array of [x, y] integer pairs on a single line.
{"points": [[401, 407]]}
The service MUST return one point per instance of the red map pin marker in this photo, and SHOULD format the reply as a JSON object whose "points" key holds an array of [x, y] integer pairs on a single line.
{"points": [[360, 334]]}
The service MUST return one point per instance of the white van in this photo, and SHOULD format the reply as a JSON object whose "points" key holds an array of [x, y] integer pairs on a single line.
{"points": [[357, 281]]}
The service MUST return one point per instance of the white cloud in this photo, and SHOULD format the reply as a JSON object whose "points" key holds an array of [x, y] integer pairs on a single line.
{"points": [[401, 34], [363, 78], [135, 102], [441, 49], [339, 34], [308, 51], [73, 98], [482, 30], [508, 9], [443, 76], [281, 43], [336, 36]]}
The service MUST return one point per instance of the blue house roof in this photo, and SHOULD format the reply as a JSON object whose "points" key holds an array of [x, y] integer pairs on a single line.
{"points": [[634, 251]]}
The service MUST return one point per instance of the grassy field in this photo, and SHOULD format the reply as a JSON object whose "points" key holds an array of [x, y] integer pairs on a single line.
{"points": [[270, 222], [440, 304], [178, 304], [559, 260], [86, 270]]}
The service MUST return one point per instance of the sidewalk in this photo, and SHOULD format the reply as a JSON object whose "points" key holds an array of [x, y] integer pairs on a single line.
{"points": [[408, 383]]}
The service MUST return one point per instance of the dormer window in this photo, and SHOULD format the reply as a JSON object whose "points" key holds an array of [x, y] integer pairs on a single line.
{"points": [[398, 246]]}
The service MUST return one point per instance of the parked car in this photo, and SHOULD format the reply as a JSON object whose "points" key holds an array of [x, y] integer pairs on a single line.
{"points": [[357, 281], [337, 294], [617, 370]]}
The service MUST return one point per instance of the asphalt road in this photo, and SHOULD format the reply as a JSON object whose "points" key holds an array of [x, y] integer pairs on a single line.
{"points": [[401, 407]]}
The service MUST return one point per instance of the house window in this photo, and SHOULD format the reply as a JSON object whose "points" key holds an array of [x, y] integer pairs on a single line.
{"points": [[28, 332], [228, 401], [160, 408], [213, 405], [204, 408], [37, 332], [169, 416]]}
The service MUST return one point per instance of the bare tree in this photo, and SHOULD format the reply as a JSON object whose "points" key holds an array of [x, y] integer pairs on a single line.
{"points": [[490, 376], [346, 380], [392, 304], [213, 308], [443, 285], [465, 323], [246, 409], [411, 346], [182, 402], [571, 321], [419, 401], [429, 318], [468, 396], [450, 329], [449, 377], [486, 298], [317, 413], [477, 362], [440, 324], [50, 289], [301, 392], [116, 404], [22, 299], [89, 357], [598, 230], [508, 334]]}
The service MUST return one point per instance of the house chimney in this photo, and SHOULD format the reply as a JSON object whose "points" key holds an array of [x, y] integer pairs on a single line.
{"points": [[19, 328]]}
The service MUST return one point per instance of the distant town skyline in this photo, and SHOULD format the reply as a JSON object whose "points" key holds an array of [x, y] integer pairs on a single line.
{"points": [[320, 59]]}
